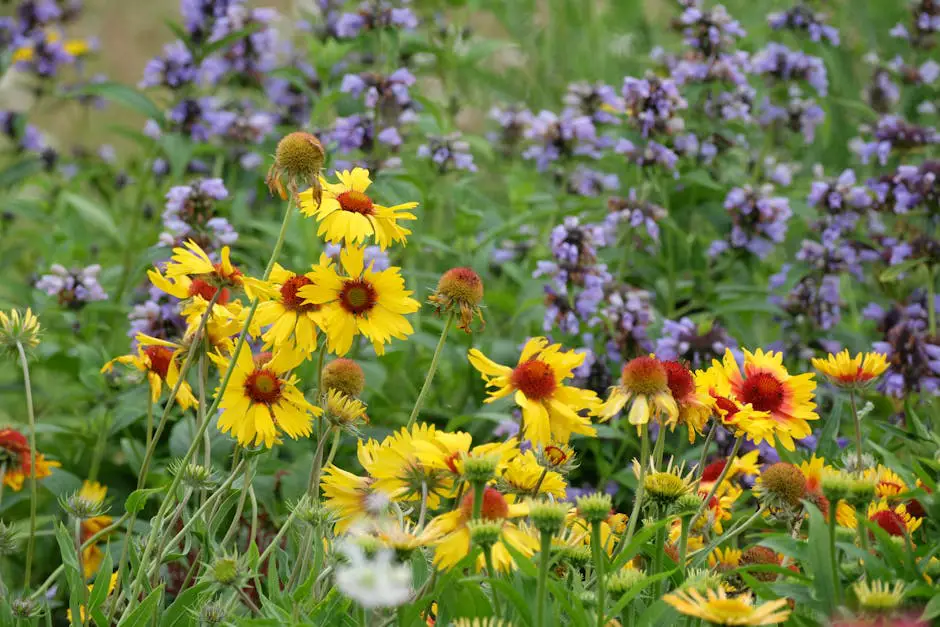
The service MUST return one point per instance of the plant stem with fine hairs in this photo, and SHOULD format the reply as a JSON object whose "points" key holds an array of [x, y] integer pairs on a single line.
{"points": [[31, 540], [432, 369]]}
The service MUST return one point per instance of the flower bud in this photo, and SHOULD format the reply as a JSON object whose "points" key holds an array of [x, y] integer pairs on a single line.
{"points": [[595, 508], [687, 504], [624, 580], [343, 375], [24, 607], [460, 290], [16, 328], [212, 614], [484, 533], [226, 571], [194, 476], [479, 469], [665, 488], [548, 516]]}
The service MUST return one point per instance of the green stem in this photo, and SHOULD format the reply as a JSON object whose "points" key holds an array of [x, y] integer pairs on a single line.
{"points": [[832, 555], [33, 492], [431, 370], [83, 591], [478, 488], [598, 553], [730, 535], [313, 483], [280, 534], [658, 554], [660, 447], [684, 542], [488, 556], [721, 478], [858, 430], [638, 498], [708, 440], [545, 559], [249, 472]]}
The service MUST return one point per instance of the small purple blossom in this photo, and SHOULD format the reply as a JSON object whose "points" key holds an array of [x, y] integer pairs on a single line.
{"points": [[73, 288]]}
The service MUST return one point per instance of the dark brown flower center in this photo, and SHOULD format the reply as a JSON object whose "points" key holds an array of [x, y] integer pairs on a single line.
{"points": [[160, 357], [263, 386], [291, 300], [358, 296]]}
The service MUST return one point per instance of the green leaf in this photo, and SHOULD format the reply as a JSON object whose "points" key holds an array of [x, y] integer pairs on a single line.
{"points": [[121, 94], [178, 614], [637, 588], [819, 562], [19, 171], [143, 614], [99, 592], [892, 273], [137, 499], [93, 214], [932, 609]]}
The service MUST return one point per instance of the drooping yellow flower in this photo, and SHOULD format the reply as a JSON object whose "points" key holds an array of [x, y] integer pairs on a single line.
{"points": [[844, 370], [644, 383], [551, 410], [362, 302], [524, 475], [694, 403], [718, 608], [343, 410], [348, 214], [292, 320], [17, 462], [765, 390], [93, 492], [160, 361], [16, 327], [454, 544], [262, 401]]}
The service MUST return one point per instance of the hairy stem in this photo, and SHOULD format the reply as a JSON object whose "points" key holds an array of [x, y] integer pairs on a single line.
{"points": [[33, 492], [432, 369]]}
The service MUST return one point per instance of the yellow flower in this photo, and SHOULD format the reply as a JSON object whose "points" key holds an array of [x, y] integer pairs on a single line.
{"points": [[160, 360], [845, 515], [447, 452], [72, 47], [93, 492], [363, 302], [717, 608], [16, 460], [350, 497], [344, 410], [896, 521], [551, 411], [645, 382], [19, 328], [888, 483], [454, 544], [524, 475], [844, 370], [292, 320], [261, 400], [347, 213], [879, 596], [726, 559], [765, 395]]}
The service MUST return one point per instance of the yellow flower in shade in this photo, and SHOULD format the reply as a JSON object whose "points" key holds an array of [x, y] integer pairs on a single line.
{"points": [[160, 361], [261, 400], [454, 544], [896, 521], [766, 389], [725, 559], [612, 528], [351, 498], [551, 411], [290, 320], [16, 461], [112, 583], [17, 328], [644, 383], [844, 370], [347, 213], [404, 536], [363, 302], [93, 492], [879, 596], [524, 475], [718, 509], [718, 608]]}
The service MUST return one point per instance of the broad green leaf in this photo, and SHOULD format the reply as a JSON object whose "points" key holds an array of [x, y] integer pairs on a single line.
{"points": [[93, 214], [144, 613], [137, 500]]}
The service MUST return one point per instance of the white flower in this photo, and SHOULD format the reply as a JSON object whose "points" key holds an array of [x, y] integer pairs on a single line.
{"points": [[373, 583]]}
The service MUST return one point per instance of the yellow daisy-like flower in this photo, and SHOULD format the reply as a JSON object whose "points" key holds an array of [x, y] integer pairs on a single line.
{"points": [[612, 528], [363, 302], [524, 475], [728, 558], [16, 327], [551, 410], [291, 320], [15, 458], [403, 536], [879, 596], [343, 410], [93, 492], [160, 361], [447, 452], [896, 520], [844, 370], [888, 484], [259, 403], [644, 383], [347, 213], [351, 498], [845, 515], [718, 608], [454, 544], [813, 473]]}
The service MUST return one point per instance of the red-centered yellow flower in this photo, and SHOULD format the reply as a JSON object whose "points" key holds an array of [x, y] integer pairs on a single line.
{"points": [[447, 452], [551, 411], [896, 521], [718, 509], [262, 401], [738, 418], [363, 302], [454, 544], [160, 361], [347, 213], [694, 404], [524, 475], [93, 492], [644, 383], [717, 608], [888, 484], [352, 498], [813, 472], [16, 461], [291, 320], [844, 370]]}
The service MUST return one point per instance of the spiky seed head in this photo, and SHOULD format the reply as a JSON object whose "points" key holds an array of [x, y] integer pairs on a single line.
{"points": [[344, 375], [879, 596], [194, 476], [687, 504], [225, 570], [459, 290], [548, 516], [624, 580], [578, 556], [212, 613], [760, 555], [664, 488], [25, 607], [297, 163], [484, 532], [595, 507], [77, 506], [479, 469], [783, 484]]}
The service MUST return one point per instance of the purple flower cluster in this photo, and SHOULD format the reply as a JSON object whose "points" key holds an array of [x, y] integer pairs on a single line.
{"points": [[175, 68], [696, 344], [893, 134], [925, 23], [190, 214], [913, 352], [799, 114], [372, 16], [552, 138], [802, 18], [758, 220], [708, 31], [158, 316], [73, 288], [26, 137], [778, 62], [635, 213], [653, 104], [448, 153], [35, 36], [598, 101]]}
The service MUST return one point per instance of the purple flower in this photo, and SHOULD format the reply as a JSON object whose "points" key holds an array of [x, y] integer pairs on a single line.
{"points": [[174, 69], [759, 220], [697, 344], [73, 288], [780, 63], [801, 18]]}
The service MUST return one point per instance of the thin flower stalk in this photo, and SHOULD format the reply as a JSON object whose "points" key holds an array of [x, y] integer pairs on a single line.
{"points": [[432, 369], [33, 497], [718, 482]]}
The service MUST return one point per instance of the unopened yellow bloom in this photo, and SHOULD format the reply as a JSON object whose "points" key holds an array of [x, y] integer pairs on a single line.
{"points": [[844, 370]]}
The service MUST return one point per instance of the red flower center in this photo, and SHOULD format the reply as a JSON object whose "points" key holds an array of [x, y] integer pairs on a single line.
{"points": [[727, 406], [679, 379], [199, 287], [14, 449], [494, 507], [763, 391], [534, 378], [358, 296], [555, 455], [713, 470], [160, 357], [263, 386], [645, 375], [291, 300], [356, 202], [451, 462], [890, 521]]}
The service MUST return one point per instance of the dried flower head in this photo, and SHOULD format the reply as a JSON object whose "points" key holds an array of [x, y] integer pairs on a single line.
{"points": [[460, 290], [344, 375], [297, 163], [781, 486]]}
